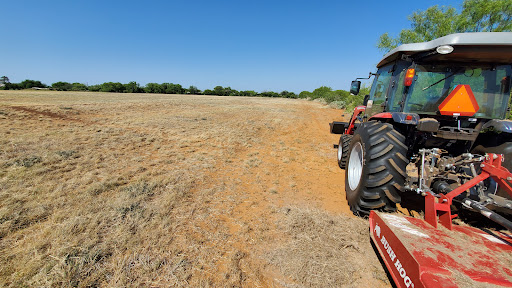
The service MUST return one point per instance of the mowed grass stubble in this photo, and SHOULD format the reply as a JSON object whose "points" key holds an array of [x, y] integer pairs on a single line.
{"points": [[115, 190]]}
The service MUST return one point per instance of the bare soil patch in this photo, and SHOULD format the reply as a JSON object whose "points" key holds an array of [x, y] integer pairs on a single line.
{"points": [[100, 189]]}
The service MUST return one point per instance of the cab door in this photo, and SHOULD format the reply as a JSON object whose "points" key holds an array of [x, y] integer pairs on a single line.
{"points": [[380, 87]]}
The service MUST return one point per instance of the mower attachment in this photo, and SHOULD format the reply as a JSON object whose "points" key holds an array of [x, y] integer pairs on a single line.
{"points": [[419, 255]]}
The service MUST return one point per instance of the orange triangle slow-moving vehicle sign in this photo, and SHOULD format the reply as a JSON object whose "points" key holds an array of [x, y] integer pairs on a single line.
{"points": [[460, 102]]}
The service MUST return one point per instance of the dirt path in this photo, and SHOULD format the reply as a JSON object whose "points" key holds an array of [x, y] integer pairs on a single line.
{"points": [[292, 168], [295, 163]]}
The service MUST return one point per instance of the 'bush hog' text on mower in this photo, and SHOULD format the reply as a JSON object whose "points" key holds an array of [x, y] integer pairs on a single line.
{"points": [[434, 125]]}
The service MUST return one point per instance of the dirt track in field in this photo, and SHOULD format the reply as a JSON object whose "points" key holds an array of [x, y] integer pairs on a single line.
{"points": [[295, 163], [170, 190], [293, 168]]}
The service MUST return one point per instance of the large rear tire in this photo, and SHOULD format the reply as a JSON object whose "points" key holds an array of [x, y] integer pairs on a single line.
{"points": [[343, 150], [376, 168]]}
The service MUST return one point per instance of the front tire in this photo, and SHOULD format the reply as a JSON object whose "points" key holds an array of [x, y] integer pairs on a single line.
{"points": [[343, 150], [376, 168]]}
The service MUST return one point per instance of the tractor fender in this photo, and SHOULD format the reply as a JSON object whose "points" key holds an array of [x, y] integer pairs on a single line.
{"points": [[398, 117], [499, 125], [352, 125]]}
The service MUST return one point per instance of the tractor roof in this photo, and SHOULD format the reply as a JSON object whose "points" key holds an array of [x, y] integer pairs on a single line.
{"points": [[494, 47]]}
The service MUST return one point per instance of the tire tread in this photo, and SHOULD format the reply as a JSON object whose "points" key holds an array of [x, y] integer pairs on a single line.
{"points": [[383, 178]]}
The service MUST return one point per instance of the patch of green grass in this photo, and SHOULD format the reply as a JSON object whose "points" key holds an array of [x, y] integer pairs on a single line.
{"points": [[133, 208], [28, 161], [67, 154]]}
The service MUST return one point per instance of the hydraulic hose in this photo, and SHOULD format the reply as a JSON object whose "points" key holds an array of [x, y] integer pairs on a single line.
{"points": [[489, 214]]}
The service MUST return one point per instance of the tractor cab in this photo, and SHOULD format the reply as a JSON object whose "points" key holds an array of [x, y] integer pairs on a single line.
{"points": [[417, 78], [451, 87]]}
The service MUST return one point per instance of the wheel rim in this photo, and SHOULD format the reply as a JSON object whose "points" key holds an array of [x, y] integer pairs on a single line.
{"points": [[340, 151], [355, 166]]}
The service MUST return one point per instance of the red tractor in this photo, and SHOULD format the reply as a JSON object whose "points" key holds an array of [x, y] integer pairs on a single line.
{"points": [[434, 126]]}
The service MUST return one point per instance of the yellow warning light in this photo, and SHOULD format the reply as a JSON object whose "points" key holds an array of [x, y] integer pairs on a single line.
{"points": [[409, 76], [460, 102]]}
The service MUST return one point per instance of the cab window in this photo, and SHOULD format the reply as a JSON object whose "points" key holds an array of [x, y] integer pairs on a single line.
{"points": [[380, 85], [396, 95]]}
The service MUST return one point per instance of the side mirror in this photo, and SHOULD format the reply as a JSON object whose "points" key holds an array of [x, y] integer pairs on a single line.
{"points": [[354, 87], [365, 101]]}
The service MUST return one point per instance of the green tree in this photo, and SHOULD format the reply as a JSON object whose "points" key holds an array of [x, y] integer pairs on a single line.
{"points": [[232, 92], [286, 94], [194, 90], [219, 91], [485, 15], [132, 87], [153, 88], [208, 92], [269, 94], [248, 93], [170, 88], [62, 86], [78, 87], [94, 88], [322, 92], [365, 90], [435, 22], [12, 86], [305, 95], [27, 84], [112, 87]]}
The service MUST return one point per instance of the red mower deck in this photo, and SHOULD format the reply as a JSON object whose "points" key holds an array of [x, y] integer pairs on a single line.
{"points": [[419, 255]]}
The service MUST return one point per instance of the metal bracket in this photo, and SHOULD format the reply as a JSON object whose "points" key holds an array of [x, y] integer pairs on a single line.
{"points": [[491, 167], [369, 76]]}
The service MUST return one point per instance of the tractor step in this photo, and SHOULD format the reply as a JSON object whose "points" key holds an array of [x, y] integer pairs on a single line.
{"points": [[419, 255]]}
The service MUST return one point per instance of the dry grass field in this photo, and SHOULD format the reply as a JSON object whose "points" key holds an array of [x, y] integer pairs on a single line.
{"points": [[117, 190]]}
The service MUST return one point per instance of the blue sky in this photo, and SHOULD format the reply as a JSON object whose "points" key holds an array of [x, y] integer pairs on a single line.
{"points": [[248, 45]]}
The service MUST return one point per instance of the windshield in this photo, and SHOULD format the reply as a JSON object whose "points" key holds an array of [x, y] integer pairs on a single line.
{"points": [[433, 83]]}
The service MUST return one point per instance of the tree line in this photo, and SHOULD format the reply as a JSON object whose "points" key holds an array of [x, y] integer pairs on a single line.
{"points": [[134, 87], [339, 98]]}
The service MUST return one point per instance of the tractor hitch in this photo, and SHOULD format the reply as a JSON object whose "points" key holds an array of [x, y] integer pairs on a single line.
{"points": [[440, 206]]}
